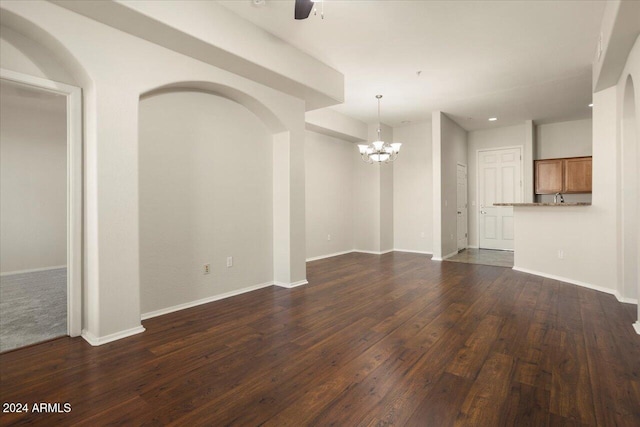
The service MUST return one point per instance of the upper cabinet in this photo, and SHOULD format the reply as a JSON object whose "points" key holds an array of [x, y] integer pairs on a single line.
{"points": [[577, 175], [571, 175], [548, 176]]}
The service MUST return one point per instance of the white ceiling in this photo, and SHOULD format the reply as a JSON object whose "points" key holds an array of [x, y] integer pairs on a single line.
{"points": [[515, 60]]}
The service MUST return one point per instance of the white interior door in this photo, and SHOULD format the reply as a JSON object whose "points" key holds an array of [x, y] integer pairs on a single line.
{"points": [[462, 206], [499, 181]]}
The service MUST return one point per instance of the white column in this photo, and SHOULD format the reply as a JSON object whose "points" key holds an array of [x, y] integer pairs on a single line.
{"points": [[112, 279], [289, 265]]}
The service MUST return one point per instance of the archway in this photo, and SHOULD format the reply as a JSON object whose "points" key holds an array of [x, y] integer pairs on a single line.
{"points": [[205, 196], [270, 120]]}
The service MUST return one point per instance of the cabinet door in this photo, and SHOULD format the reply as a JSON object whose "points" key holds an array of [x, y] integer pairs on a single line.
{"points": [[577, 175], [548, 176]]}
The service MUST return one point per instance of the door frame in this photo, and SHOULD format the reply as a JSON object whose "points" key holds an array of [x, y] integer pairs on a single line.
{"points": [[506, 147], [74, 186], [466, 178]]}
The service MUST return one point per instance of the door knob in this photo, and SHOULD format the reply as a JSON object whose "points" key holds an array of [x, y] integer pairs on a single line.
{"points": [[483, 212], [459, 213]]}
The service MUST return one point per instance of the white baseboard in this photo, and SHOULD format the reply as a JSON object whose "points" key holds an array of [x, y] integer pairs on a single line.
{"points": [[572, 281], [411, 251], [625, 299], [291, 285], [96, 341], [473, 247], [32, 270], [206, 300], [362, 251], [434, 258], [636, 326], [316, 258]]}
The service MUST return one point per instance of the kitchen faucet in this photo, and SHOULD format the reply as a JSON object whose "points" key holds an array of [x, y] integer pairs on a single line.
{"points": [[555, 198]]}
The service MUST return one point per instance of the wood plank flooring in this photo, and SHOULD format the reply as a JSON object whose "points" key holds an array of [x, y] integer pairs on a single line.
{"points": [[372, 340]]}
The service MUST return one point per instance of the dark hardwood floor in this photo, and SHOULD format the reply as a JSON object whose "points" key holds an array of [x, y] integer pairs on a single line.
{"points": [[372, 340]]}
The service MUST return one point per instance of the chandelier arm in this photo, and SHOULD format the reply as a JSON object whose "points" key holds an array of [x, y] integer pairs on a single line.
{"points": [[379, 151], [379, 123]]}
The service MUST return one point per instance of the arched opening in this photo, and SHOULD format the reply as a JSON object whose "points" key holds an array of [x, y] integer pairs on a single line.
{"points": [[29, 49], [206, 197], [630, 195], [260, 110]]}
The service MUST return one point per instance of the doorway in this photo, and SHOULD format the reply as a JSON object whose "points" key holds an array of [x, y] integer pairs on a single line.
{"points": [[499, 181], [40, 256]]}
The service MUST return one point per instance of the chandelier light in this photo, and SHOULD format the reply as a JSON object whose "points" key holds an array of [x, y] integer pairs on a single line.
{"points": [[379, 151]]}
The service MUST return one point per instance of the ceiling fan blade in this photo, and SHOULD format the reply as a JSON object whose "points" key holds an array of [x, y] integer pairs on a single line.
{"points": [[303, 9]]}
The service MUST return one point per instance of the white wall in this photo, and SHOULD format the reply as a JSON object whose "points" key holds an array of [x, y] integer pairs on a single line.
{"points": [[125, 68], [231, 43], [205, 194], [564, 139], [366, 204], [590, 237], [386, 207], [412, 189], [329, 194], [628, 145], [373, 199], [33, 179], [586, 235], [498, 137]]}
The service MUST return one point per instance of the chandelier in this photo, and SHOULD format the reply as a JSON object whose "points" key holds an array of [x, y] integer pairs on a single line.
{"points": [[379, 151]]}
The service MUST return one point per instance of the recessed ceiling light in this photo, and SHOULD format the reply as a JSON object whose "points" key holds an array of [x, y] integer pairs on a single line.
{"points": [[591, 105], [493, 119], [404, 122]]}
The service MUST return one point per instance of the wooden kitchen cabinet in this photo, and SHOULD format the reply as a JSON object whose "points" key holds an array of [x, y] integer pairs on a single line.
{"points": [[570, 175], [548, 176], [577, 175]]}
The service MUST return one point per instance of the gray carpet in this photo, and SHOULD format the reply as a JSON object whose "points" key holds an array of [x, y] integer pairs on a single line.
{"points": [[33, 307]]}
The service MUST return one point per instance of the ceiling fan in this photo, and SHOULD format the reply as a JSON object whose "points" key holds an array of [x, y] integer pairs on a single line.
{"points": [[303, 8]]}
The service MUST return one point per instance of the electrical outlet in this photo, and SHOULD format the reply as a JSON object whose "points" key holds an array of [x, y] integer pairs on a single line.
{"points": [[206, 269], [560, 254], [328, 236], [229, 261], [422, 234]]}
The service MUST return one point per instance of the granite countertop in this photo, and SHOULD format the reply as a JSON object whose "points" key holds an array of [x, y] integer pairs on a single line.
{"points": [[544, 204]]}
